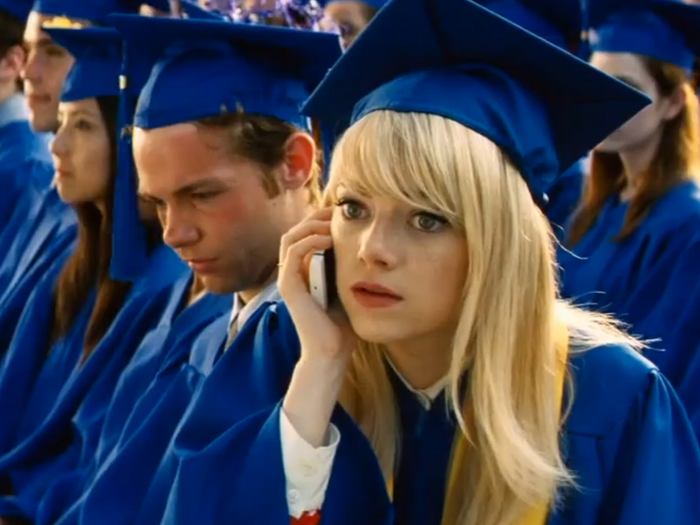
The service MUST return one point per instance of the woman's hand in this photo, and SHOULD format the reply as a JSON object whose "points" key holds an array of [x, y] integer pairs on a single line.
{"points": [[327, 340], [324, 336]]}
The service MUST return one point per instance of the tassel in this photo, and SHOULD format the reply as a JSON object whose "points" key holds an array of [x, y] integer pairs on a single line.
{"points": [[129, 244], [584, 51]]}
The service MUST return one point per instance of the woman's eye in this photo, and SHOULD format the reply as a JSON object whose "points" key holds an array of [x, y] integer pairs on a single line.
{"points": [[83, 125], [428, 222], [351, 209]]}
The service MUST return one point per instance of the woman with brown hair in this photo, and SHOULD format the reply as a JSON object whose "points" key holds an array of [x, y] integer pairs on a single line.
{"points": [[80, 326], [633, 245]]}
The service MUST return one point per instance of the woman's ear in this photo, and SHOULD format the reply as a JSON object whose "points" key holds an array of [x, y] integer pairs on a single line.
{"points": [[675, 103], [299, 159]]}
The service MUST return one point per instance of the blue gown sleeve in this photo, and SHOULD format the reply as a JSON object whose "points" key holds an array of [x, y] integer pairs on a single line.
{"points": [[144, 417], [241, 478], [657, 471], [226, 461], [665, 309], [645, 468]]}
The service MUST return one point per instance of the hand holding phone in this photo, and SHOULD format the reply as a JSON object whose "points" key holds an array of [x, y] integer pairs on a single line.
{"points": [[306, 282]]}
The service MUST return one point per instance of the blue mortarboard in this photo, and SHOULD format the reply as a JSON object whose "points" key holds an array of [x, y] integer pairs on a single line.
{"points": [[98, 57], [667, 30], [209, 67], [17, 8], [538, 18], [455, 58]]}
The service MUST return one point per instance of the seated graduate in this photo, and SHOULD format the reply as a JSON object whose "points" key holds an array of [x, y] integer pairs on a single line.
{"points": [[42, 232], [633, 245], [36, 227], [80, 327], [227, 184], [24, 155], [469, 394]]}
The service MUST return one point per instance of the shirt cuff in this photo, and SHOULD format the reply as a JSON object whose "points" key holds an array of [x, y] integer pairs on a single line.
{"points": [[307, 469]]}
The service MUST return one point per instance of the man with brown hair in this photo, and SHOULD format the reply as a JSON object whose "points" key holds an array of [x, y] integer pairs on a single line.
{"points": [[24, 155]]}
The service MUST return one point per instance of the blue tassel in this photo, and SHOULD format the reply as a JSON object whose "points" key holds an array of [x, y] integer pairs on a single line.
{"points": [[129, 244], [584, 52]]}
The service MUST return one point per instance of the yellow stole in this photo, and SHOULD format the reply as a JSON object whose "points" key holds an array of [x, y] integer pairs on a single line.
{"points": [[539, 514]]}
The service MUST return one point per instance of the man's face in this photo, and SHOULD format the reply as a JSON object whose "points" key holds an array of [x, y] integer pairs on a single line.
{"points": [[44, 74], [215, 210]]}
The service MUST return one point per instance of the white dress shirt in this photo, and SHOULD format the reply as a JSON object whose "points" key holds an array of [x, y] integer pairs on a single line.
{"points": [[242, 312]]}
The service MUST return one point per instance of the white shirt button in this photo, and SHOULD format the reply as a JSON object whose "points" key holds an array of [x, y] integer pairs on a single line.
{"points": [[293, 496]]}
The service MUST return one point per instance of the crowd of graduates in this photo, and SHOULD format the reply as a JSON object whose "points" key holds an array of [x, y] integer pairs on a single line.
{"points": [[504, 197]]}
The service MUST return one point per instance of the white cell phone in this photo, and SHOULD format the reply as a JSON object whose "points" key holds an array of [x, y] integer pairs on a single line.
{"points": [[322, 278]]}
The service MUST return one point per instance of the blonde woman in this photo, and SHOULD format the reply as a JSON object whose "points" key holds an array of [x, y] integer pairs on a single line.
{"points": [[459, 390]]}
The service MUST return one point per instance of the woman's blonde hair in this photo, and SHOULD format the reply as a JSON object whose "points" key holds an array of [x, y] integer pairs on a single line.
{"points": [[505, 340]]}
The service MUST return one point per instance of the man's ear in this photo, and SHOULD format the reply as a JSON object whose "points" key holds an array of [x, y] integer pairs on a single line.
{"points": [[299, 160]]}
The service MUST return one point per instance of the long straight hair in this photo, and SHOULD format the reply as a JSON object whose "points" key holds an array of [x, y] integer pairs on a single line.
{"points": [[677, 160], [88, 266], [505, 339]]}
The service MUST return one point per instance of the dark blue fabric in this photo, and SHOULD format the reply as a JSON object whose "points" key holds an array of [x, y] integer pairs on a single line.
{"points": [[57, 402], [44, 236], [136, 429], [209, 415], [564, 196], [24, 161], [627, 438]]}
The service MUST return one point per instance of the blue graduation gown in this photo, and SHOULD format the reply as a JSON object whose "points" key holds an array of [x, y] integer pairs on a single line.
{"points": [[41, 248], [58, 387], [25, 159], [564, 196], [649, 281], [135, 431], [191, 390], [32, 217], [627, 438]]}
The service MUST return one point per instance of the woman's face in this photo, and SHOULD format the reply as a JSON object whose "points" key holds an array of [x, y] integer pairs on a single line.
{"points": [[646, 126], [350, 16], [400, 269], [81, 153]]}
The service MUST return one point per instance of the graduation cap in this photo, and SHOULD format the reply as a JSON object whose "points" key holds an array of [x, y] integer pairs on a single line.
{"points": [[18, 8], [667, 30], [208, 68], [95, 11], [557, 21], [543, 106], [98, 57]]}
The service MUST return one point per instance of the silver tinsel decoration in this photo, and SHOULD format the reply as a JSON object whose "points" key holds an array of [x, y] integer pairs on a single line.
{"points": [[299, 14]]}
